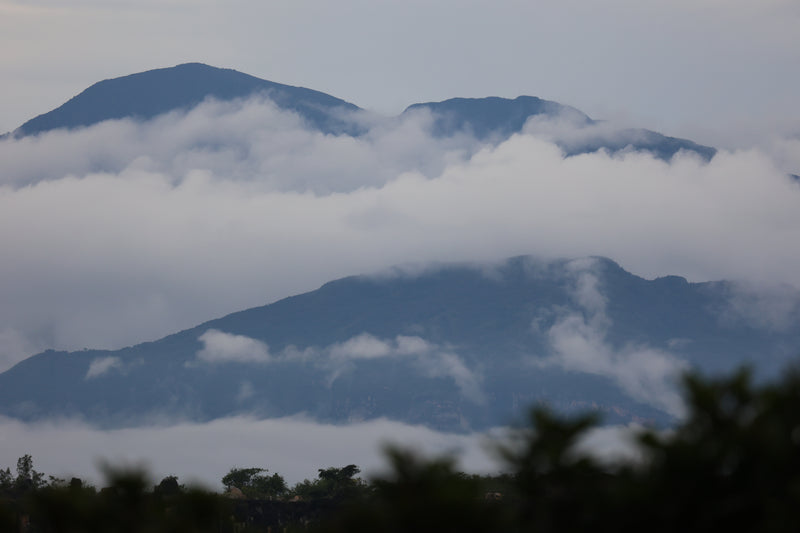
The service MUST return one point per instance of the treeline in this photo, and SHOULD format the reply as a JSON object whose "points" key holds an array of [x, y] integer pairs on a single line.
{"points": [[732, 464]]}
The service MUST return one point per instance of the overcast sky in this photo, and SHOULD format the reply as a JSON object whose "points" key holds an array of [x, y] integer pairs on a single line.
{"points": [[725, 72]]}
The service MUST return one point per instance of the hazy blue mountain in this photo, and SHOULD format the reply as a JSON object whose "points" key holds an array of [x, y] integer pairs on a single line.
{"points": [[497, 119], [491, 116], [638, 139], [454, 347], [148, 94]]}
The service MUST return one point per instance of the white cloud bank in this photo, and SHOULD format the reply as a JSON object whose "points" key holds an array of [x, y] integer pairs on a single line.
{"points": [[430, 359], [221, 347], [199, 220], [292, 447]]}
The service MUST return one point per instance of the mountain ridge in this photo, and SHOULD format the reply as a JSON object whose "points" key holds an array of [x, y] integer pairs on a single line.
{"points": [[457, 347], [147, 94]]}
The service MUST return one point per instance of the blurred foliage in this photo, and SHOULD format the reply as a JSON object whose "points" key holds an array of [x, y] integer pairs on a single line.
{"points": [[125, 505], [255, 483], [332, 483], [733, 463], [418, 495]]}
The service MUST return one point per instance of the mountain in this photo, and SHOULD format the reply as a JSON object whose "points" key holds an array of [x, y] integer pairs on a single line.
{"points": [[148, 94], [492, 116], [454, 347], [497, 119], [639, 140]]}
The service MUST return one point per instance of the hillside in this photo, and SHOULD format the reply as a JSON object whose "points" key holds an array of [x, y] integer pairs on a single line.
{"points": [[455, 347], [146, 95]]}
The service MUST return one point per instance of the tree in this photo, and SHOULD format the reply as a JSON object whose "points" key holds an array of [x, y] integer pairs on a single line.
{"points": [[6, 480], [168, 486], [271, 487], [332, 482], [254, 483], [27, 478], [340, 482], [420, 495], [733, 463]]}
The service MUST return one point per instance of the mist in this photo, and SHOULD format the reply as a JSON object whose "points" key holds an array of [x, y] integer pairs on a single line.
{"points": [[203, 453], [293, 447]]}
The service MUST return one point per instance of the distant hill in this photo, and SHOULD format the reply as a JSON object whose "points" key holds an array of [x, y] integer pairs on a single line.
{"points": [[497, 119], [149, 94], [454, 347], [491, 116]]}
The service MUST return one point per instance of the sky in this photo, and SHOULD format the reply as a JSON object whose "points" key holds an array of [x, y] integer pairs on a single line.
{"points": [[125, 232]]}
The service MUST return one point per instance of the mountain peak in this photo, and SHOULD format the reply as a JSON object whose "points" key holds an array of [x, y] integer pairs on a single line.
{"points": [[492, 115], [145, 95]]}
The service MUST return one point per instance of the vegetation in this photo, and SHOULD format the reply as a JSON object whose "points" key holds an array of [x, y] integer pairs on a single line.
{"points": [[332, 483], [733, 463], [255, 483]]}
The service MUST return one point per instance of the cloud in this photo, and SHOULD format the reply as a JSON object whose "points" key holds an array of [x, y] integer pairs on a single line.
{"points": [[363, 346], [432, 360], [448, 364], [245, 140], [765, 306], [338, 358], [235, 205], [15, 346], [412, 345], [221, 347], [246, 391], [102, 365], [293, 447], [612, 444], [578, 341]]}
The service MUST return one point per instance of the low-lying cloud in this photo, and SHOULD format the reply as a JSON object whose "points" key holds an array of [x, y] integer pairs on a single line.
{"points": [[430, 359], [363, 346], [125, 232], [292, 447], [245, 140], [102, 365], [770, 307], [221, 347]]}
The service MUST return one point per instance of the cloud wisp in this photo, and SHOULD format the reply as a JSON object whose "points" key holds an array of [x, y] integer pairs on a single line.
{"points": [[221, 347], [102, 365], [578, 341], [430, 359]]}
